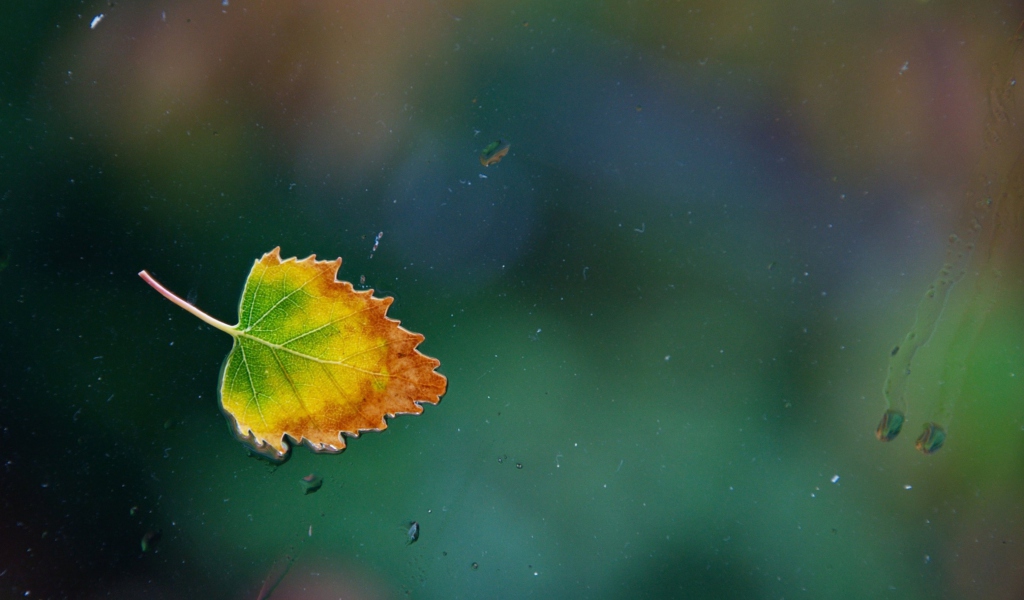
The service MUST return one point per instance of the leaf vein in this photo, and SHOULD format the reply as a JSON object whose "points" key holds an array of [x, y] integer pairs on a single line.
{"points": [[255, 292], [279, 302], [325, 325], [252, 386], [291, 384]]}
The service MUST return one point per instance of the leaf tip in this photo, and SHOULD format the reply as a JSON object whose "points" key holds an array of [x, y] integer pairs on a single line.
{"points": [[272, 257]]}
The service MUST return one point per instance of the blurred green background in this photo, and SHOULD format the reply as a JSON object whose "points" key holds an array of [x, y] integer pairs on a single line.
{"points": [[665, 316]]}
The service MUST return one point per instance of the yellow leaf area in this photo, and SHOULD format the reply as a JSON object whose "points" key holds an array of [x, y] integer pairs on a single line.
{"points": [[313, 359]]}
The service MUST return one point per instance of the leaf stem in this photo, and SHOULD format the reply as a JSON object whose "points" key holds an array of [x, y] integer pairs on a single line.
{"points": [[166, 293]]}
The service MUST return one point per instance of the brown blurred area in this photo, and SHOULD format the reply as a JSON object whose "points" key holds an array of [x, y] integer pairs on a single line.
{"points": [[325, 86], [333, 87]]}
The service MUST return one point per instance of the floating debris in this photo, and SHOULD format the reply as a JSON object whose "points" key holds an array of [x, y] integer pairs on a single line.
{"points": [[892, 422], [414, 532], [150, 539], [96, 21], [376, 242], [494, 152], [311, 483], [931, 439]]}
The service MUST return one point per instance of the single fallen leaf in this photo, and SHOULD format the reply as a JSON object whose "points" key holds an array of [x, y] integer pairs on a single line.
{"points": [[314, 359]]}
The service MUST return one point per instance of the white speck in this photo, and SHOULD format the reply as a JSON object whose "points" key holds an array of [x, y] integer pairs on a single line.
{"points": [[908, 487], [904, 68], [835, 479], [482, 176], [668, 357], [96, 21]]}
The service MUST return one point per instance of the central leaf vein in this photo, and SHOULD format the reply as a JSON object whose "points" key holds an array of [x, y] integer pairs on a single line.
{"points": [[340, 363]]}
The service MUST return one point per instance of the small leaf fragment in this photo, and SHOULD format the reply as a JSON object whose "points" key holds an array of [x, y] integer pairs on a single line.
{"points": [[494, 152], [150, 539]]}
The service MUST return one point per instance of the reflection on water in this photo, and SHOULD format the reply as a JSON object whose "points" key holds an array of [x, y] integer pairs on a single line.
{"points": [[962, 296]]}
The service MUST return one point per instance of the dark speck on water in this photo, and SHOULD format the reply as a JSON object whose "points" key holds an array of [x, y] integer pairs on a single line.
{"points": [[311, 483]]}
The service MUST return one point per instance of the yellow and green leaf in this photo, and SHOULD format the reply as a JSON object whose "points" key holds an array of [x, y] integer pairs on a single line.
{"points": [[314, 359]]}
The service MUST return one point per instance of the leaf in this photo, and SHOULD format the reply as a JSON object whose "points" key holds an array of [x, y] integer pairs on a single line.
{"points": [[314, 359]]}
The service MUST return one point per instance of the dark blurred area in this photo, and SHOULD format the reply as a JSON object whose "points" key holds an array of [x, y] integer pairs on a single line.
{"points": [[665, 314]]}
